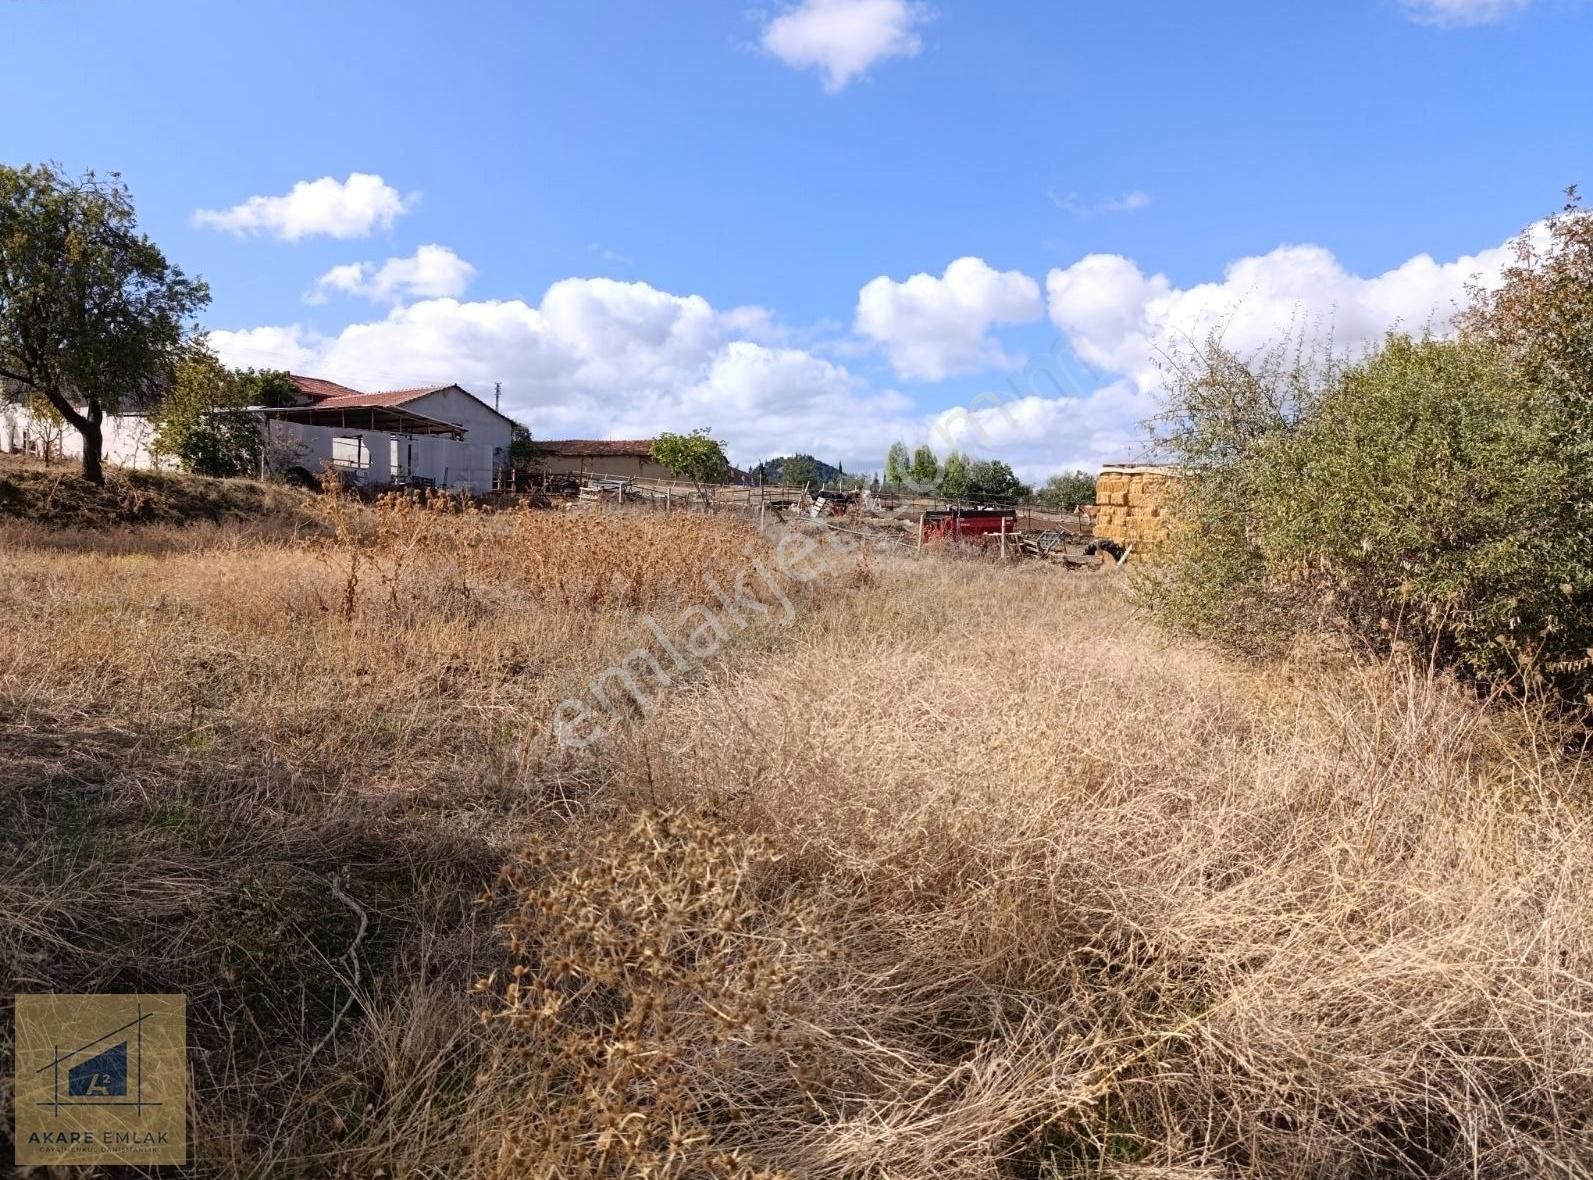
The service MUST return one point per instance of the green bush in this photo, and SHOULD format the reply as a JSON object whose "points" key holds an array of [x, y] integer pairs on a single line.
{"points": [[697, 456], [203, 420], [1066, 491], [1433, 497]]}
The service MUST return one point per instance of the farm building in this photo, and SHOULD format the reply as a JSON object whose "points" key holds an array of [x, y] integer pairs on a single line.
{"points": [[441, 434], [617, 458], [1134, 503]]}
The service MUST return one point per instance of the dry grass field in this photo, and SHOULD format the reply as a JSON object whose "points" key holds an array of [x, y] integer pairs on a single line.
{"points": [[963, 872]]}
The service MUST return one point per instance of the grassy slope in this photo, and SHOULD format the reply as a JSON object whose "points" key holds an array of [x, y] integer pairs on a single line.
{"points": [[1022, 889], [56, 495]]}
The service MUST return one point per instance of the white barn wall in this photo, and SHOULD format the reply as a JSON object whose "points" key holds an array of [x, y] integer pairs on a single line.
{"points": [[127, 438], [295, 444], [487, 436], [465, 465]]}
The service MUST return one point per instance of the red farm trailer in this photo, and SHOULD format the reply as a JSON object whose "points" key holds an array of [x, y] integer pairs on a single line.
{"points": [[969, 524]]}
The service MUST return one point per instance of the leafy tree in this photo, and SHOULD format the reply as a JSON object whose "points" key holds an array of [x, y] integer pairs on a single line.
{"points": [[203, 422], [1067, 490], [991, 479], [924, 467], [264, 387], [47, 425], [92, 316], [798, 471], [523, 453], [1415, 496], [1540, 319], [1435, 497], [696, 456], [954, 476], [898, 463]]}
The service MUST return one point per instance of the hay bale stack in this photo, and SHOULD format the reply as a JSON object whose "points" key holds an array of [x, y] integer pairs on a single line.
{"points": [[1133, 504]]}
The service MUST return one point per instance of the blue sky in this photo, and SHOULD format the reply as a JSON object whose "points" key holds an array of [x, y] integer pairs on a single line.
{"points": [[646, 216]]}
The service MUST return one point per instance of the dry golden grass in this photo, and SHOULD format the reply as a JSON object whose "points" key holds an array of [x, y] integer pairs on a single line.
{"points": [[56, 493], [965, 873]]}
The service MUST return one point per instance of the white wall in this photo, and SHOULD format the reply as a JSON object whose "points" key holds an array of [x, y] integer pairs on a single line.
{"points": [[487, 437], [466, 465], [447, 462], [127, 437]]}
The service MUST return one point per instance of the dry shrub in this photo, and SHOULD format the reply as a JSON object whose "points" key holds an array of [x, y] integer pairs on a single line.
{"points": [[647, 965], [199, 736], [575, 559], [1101, 907], [965, 873]]}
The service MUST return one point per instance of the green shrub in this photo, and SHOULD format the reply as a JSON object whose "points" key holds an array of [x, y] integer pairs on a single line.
{"points": [[1434, 497], [203, 420], [1067, 490], [697, 456], [1423, 501]]}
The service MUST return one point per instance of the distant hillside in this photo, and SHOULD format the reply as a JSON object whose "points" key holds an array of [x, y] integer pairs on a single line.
{"points": [[802, 468]]}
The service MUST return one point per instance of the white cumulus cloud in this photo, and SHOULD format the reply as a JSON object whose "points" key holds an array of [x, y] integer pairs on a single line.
{"points": [[1462, 12], [1040, 435], [932, 328], [351, 208], [1121, 320], [600, 358], [844, 38], [431, 272]]}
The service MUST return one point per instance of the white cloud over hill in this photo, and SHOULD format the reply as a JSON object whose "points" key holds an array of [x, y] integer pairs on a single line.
{"points": [[600, 357]]}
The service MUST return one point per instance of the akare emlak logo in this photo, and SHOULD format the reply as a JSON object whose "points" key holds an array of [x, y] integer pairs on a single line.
{"points": [[101, 1079]]}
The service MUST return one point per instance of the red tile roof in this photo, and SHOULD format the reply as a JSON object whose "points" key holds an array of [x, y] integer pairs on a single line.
{"points": [[316, 387], [329, 395], [576, 447], [396, 397], [412, 391]]}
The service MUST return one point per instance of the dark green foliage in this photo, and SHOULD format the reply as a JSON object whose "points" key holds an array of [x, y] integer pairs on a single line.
{"points": [[898, 463], [92, 316], [264, 387], [524, 454], [697, 456], [203, 420], [1067, 490], [797, 470], [1435, 497], [991, 479], [954, 476]]}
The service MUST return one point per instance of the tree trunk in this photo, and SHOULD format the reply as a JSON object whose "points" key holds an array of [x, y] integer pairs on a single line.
{"points": [[93, 444], [86, 424]]}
